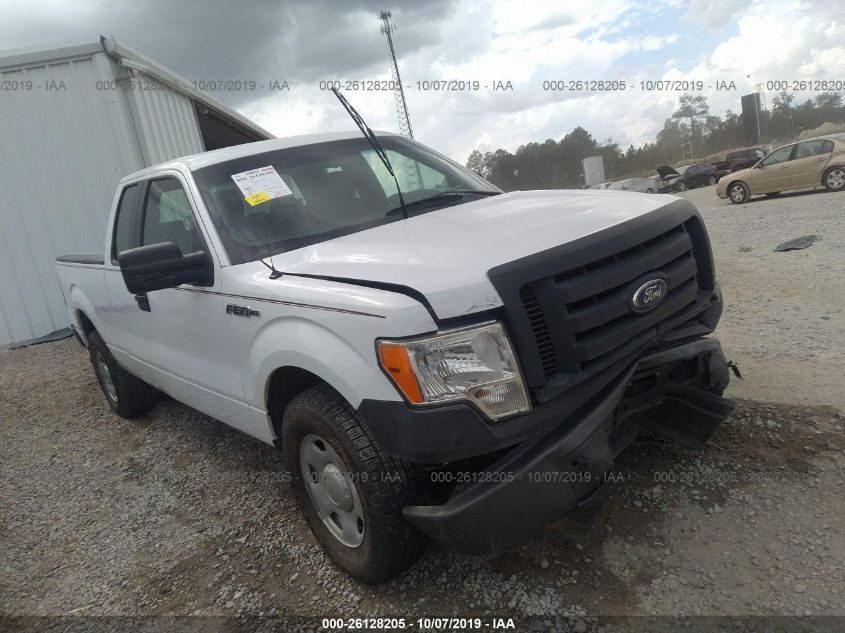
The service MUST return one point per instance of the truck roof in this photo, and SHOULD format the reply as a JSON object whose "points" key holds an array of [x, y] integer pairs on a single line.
{"points": [[204, 159]]}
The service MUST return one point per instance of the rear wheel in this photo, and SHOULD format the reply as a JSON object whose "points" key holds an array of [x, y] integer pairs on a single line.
{"points": [[350, 492], [127, 395], [738, 192], [649, 190], [834, 179]]}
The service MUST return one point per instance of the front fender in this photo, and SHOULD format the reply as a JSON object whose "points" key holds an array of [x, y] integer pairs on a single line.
{"points": [[299, 342]]}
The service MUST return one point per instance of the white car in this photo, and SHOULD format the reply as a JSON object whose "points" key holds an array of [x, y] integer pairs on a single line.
{"points": [[393, 346], [639, 185]]}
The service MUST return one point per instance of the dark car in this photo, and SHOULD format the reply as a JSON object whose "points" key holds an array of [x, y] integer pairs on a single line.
{"points": [[685, 177], [739, 159]]}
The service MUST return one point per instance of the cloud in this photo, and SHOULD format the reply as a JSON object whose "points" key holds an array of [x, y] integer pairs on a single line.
{"points": [[715, 14], [514, 41], [297, 40]]}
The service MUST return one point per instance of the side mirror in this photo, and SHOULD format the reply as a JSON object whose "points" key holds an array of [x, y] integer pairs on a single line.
{"points": [[160, 266]]}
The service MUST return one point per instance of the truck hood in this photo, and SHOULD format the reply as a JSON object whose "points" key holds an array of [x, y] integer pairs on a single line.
{"points": [[445, 254]]}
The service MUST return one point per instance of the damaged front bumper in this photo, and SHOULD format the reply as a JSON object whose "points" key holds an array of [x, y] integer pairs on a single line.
{"points": [[541, 479]]}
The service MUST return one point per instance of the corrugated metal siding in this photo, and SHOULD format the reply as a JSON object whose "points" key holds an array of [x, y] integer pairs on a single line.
{"points": [[167, 123], [62, 153]]}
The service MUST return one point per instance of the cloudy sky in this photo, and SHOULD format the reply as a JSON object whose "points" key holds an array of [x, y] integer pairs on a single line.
{"points": [[523, 42]]}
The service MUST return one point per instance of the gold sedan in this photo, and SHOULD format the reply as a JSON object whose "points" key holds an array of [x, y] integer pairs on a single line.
{"points": [[811, 163]]}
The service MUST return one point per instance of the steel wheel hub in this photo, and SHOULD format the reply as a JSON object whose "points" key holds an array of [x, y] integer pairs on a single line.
{"points": [[331, 490], [737, 193], [105, 377]]}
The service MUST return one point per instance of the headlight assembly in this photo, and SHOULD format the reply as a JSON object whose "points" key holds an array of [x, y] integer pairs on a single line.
{"points": [[474, 363]]}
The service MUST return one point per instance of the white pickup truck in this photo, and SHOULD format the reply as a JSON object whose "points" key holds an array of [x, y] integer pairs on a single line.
{"points": [[456, 363]]}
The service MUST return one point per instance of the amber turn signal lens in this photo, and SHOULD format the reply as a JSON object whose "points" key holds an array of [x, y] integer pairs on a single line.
{"points": [[394, 359]]}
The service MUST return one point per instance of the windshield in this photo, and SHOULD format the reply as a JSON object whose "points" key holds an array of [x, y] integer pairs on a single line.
{"points": [[682, 170], [326, 190]]}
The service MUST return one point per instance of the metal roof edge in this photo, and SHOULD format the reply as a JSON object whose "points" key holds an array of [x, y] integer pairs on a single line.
{"points": [[35, 55], [130, 58]]}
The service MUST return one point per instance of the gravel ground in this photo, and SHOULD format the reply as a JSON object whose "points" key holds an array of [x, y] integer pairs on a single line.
{"points": [[175, 514], [784, 319]]}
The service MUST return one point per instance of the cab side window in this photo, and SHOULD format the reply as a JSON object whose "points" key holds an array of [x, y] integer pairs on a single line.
{"points": [[168, 216], [778, 156], [126, 233]]}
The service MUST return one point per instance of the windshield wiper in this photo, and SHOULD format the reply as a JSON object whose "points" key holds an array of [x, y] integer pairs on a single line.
{"points": [[378, 148], [442, 196]]}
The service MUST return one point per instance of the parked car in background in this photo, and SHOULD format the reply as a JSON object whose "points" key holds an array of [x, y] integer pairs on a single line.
{"points": [[685, 177], [739, 159], [601, 185], [639, 185], [812, 163]]}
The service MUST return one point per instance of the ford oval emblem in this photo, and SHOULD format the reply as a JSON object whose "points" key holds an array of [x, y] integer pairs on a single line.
{"points": [[650, 295]]}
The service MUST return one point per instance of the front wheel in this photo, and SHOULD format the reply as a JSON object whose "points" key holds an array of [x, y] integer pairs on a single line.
{"points": [[834, 179], [738, 192], [682, 186], [711, 180], [350, 492], [649, 190]]}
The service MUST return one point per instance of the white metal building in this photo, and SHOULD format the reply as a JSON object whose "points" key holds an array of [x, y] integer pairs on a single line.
{"points": [[73, 121]]}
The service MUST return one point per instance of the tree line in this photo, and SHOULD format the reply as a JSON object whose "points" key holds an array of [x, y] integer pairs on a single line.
{"points": [[691, 132]]}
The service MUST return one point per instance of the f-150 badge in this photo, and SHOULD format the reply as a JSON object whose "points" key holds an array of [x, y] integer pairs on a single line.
{"points": [[244, 311]]}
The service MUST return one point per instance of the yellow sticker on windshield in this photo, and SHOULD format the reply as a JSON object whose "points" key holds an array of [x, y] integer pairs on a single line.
{"points": [[257, 198]]}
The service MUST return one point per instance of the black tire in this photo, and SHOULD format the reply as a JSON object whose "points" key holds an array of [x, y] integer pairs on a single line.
{"points": [[738, 192], [384, 486], [773, 194], [711, 180], [127, 395], [834, 178], [681, 186], [649, 190]]}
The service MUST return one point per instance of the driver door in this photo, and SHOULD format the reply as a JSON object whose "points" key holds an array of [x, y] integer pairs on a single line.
{"points": [[773, 172], [176, 339]]}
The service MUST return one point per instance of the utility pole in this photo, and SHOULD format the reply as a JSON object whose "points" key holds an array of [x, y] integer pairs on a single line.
{"points": [[758, 103], [398, 90]]}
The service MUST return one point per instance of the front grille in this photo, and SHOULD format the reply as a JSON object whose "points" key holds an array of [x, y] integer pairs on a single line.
{"points": [[580, 318]]}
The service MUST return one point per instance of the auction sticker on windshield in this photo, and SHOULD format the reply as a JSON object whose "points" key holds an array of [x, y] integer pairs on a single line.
{"points": [[260, 185]]}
